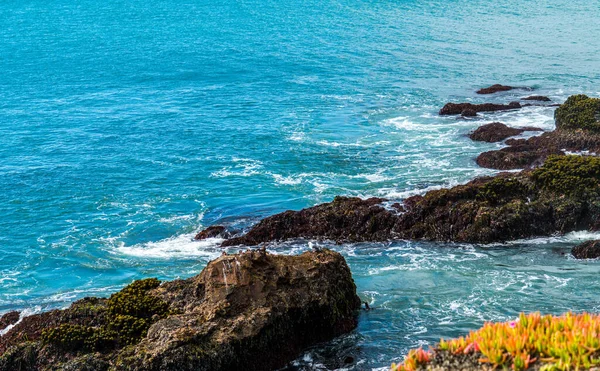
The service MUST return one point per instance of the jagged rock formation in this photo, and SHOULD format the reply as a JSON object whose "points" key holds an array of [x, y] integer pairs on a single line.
{"points": [[251, 311]]}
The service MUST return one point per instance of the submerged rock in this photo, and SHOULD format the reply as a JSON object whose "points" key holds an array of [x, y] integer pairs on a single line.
{"points": [[496, 132], [539, 98], [494, 89], [459, 108], [212, 232], [587, 250], [251, 311]]}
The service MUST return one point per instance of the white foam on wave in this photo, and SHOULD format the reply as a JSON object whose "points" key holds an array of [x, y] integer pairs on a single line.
{"points": [[578, 236], [182, 246], [243, 167], [24, 313]]}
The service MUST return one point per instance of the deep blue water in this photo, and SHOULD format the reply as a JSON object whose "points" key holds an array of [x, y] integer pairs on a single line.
{"points": [[126, 126]]}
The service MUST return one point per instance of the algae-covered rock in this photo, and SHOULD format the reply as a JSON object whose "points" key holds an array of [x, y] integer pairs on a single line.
{"points": [[253, 310], [577, 130], [559, 197], [578, 112]]}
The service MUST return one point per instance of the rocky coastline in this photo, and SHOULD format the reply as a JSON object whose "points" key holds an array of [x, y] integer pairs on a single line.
{"points": [[258, 311], [554, 193], [251, 311]]}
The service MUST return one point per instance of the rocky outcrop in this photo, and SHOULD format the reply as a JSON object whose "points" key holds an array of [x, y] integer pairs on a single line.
{"points": [[459, 108], [577, 130], [587, 250], [559, 197], [494, 89], [215, 231], [251, 311], [345, 219], [496, 132]]}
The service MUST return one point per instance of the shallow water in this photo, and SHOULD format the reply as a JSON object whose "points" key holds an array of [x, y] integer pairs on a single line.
{"points": [[126, 126]]}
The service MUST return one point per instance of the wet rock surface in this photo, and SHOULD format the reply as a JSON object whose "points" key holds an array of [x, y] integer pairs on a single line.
{"points": [[538, 98], [587, 250], [346, 219], [8, 319], [559, 197], [496, 132], [251, 311], [494, 89], [459, 108], [577, 130], [212, 232]]}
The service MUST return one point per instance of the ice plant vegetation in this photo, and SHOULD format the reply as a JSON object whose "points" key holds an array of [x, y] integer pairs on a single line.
{"points": [[567, 342]]}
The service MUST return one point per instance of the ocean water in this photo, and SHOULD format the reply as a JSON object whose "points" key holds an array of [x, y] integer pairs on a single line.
{"points": [[127, 126]]}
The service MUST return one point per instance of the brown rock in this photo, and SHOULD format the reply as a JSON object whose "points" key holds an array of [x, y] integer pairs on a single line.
{"points": [[251, 311], [494, 132], [212, 232], [344, 219], [494, 89], [458, 108], [587, 250], [539, 98], [8, 319], [468, 112]]}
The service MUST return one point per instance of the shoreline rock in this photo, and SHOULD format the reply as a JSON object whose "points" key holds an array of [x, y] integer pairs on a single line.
{"points": [[559, 197], [577, 130], [252, 311], [8, 319]]}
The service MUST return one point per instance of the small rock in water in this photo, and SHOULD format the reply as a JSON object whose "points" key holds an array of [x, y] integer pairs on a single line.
{"points": [[587, 250], [212, 232], [494, 89], [539, 98]]}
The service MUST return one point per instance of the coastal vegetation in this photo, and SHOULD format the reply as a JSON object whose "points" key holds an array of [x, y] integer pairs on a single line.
{"points": [[551, 343]]}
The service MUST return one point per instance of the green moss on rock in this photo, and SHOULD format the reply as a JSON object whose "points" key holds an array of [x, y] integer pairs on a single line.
{"points": [[569, 174], [130, 313], [579, 112]]}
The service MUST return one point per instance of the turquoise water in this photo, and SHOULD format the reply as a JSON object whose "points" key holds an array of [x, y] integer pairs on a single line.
{"points": [[127, 126]]}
